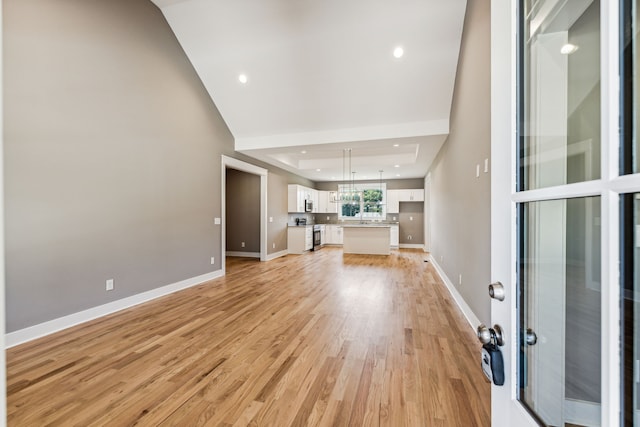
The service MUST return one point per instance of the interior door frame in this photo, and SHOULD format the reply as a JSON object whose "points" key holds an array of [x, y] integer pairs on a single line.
{"points": [[230, 162], [506, 409]]}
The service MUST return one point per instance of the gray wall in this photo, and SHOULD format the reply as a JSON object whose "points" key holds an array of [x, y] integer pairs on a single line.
{"points": [[112, 158], [242, 211], [411, 223], [277, 211], [460, 202]]}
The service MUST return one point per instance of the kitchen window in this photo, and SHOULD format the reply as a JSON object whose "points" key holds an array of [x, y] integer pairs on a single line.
{"points": [[363, 201]]}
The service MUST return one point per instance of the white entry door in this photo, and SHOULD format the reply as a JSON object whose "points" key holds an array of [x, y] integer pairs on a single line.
{"points": [[558, 184]]}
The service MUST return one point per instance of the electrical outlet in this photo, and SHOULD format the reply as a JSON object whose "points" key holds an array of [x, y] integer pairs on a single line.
{"points": [[270, 219], [216, 221], [242, 244], [409, 237], [486, 165], [327, 218], [110, 284], [213, 260], [274, 246], [460, 279], [477, 171], [394, 218], [410, 218]]}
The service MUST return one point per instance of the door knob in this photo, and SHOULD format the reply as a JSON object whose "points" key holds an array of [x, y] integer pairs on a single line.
{"points": [[496, 291], [487, 335], [530, 337], [484, 334]]}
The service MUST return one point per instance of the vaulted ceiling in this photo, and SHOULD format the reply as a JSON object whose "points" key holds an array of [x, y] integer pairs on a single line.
{"points": [[321, 76]]}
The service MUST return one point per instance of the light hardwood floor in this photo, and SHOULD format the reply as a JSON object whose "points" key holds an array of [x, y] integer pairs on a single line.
{"points": [[316, 339]]}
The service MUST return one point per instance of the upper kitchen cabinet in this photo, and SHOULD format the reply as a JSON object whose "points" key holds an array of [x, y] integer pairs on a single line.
{"points": [[327, 202], [297, 197], [393, 201], [416, 195], [394, 197]]}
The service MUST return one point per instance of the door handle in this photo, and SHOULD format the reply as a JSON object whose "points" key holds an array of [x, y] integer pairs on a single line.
{"points": [[484, 335], [487, 335]]}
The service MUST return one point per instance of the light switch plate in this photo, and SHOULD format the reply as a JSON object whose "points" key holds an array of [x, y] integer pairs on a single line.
{"points": [[216, 221]]}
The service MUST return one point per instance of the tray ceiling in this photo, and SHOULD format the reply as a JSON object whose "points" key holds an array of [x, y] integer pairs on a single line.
{"points": [[321, 76]]}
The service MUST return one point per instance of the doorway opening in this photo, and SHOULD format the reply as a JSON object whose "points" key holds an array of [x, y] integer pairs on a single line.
{"points": [[239, 165]]}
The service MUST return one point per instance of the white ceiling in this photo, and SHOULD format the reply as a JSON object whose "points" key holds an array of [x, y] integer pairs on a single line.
{"points": [[322, 77]]}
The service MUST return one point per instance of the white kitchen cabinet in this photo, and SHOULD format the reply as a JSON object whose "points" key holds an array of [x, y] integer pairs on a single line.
{"points": [[411, 195], [295, 199], [297, 194], [299, 239], [334, 234], [394, 236], [394, 197], [323, 234], [314, 198], [325, 204], [308, 238], [393, 201]]}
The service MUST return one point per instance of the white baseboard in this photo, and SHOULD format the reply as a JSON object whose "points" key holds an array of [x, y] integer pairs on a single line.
{"points": [[462, 304], [411, 246], [37, 331], [582, 413], [277, 255], [243, 254]]}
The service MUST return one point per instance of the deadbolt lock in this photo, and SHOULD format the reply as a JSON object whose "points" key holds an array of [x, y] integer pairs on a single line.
{"points": [[496, 291]]}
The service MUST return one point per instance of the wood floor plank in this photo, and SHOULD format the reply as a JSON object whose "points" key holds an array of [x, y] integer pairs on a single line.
{"points": [[319, 339]]}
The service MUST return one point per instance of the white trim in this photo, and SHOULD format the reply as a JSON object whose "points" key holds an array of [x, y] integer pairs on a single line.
{"points": [[275, 255], [401, 130], [3, 378], [243, 166], [411, 246], [610, 213], [462, 304], [582, 413], [625, 184], [37, 331], [230, 162], [565, 191], [243, 254]]}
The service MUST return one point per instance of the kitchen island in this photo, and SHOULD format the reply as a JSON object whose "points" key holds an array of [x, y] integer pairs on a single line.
{"points": [[369, 239]]}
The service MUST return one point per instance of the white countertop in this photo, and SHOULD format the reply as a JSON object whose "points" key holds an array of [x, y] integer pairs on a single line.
{"points": [[367, 225]]}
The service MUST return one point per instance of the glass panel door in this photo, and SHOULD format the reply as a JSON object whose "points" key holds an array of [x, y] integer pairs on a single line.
{"points": [[559, 93], [559, 279], [560, 309]]}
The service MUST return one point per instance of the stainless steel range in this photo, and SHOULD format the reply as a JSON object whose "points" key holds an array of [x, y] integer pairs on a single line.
{"points": [[317, 239]]}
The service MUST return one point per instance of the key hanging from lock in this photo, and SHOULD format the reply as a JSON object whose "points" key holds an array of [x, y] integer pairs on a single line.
{"points": [[492, 362]]}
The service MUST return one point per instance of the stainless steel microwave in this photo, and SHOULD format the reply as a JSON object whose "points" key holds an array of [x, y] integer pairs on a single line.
{"points": [[308, 206]]}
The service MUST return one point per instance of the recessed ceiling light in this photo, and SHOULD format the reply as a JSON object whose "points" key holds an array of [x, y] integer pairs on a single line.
{"points": [[568, 49], [317, 170], [398, 52], [304, 151], [397, 174], [396, 145], [242, 78], [396, 166]]}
